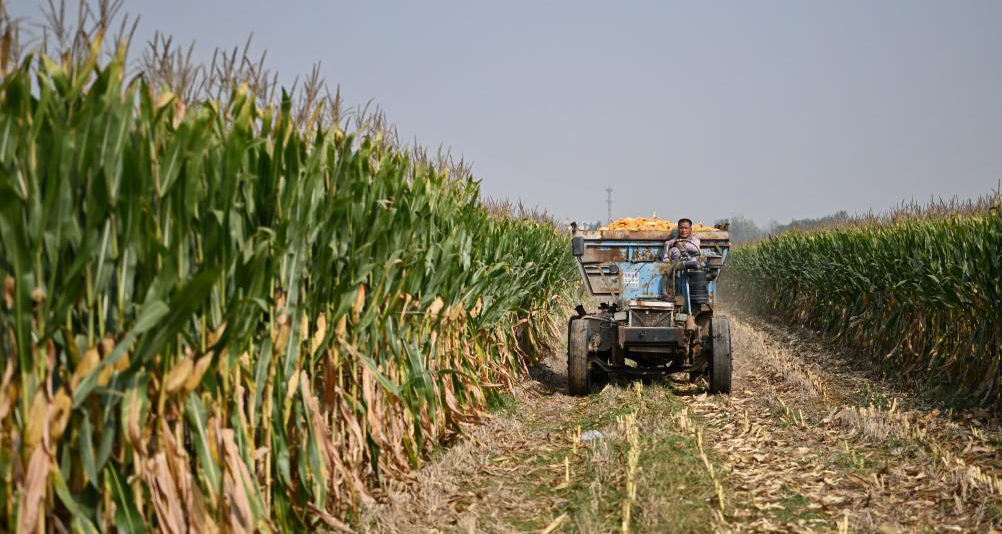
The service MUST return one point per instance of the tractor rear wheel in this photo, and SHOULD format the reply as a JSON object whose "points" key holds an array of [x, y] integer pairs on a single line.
{"points": [[720, 367], [578, 372]]}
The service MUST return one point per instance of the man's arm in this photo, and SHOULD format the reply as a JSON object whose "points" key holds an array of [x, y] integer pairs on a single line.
{"points": [[666, 253], [691, 246]]}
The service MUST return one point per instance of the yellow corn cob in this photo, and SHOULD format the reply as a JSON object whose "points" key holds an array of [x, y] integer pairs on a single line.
{"points": [[650, 224]]}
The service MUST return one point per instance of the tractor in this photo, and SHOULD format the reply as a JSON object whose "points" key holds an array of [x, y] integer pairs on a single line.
{"points": [[651, 317]]}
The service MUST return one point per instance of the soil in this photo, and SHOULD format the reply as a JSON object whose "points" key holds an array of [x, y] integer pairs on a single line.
{"points": [[810, 440]]}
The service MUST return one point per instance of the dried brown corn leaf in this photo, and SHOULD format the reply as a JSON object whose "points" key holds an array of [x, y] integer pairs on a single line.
{"points": [[236, 484], [435, 307], [7, 393], [197, 372], [178, 375], [164, 495], [33, 496]]}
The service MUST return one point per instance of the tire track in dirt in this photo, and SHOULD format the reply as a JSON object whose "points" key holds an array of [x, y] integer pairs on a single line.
{"points": [[535, 469], [813, 445], [553, 463], [807, 442]]}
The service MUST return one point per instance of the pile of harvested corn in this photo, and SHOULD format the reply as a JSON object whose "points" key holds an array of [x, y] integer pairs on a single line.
{"points": [[653, 224]]}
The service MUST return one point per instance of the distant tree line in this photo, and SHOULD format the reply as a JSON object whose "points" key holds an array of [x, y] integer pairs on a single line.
{"points": [[590, 226], [743, 229], [834, 219]]}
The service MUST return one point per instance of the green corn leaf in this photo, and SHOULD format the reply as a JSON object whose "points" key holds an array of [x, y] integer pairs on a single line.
{"points": [[195, 413], [86, 445], [80, 522], [127, 518]]}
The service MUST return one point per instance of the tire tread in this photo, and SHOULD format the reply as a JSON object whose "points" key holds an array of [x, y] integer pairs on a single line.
{"points": [[578, 376]]}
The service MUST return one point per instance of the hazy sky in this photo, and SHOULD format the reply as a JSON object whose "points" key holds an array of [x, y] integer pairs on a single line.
{"points": [[771, 109]]}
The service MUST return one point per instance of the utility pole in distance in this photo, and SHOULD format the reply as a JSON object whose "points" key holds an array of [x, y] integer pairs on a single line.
{"points": [[608, 201]]}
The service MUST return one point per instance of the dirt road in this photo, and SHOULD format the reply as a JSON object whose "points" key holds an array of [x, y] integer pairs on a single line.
{"points": [[807, 442]]}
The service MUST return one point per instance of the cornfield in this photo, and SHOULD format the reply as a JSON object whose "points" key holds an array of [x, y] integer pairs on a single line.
{"points": [[919, 291], [217, 319]]}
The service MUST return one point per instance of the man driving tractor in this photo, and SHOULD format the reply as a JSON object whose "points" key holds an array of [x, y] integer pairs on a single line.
{"points": [[684, 243]]}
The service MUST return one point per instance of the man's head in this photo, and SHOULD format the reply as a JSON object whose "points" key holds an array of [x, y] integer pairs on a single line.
{"points": [[684, 228]]}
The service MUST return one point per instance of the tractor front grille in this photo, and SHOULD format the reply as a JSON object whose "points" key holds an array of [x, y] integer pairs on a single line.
{"points": [[650, 318]]}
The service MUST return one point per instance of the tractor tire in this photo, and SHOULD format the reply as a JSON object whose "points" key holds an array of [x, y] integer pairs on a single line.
{"points": [[720, 367], [578, 372]]}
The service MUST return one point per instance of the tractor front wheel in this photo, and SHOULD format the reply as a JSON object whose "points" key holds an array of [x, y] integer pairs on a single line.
{"points": [[720, 368], [578, 372]]}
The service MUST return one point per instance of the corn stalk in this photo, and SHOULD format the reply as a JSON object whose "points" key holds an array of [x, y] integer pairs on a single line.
{"points": [[920, 292], [214, 319]]}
